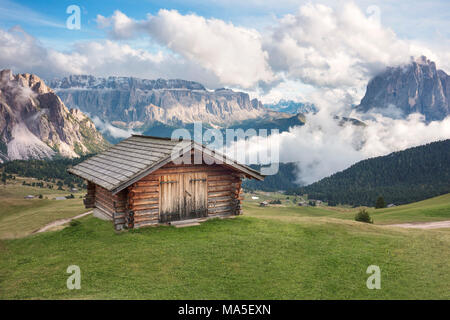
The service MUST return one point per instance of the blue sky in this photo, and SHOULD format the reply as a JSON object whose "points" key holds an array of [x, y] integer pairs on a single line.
{"points": [[277, 56], [413, 19]]}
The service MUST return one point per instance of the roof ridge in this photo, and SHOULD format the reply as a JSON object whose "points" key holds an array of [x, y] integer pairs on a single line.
{"points": [[160, 138]]}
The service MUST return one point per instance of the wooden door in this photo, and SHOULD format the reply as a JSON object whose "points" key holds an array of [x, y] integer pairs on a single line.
{"points": [[183, 196]]}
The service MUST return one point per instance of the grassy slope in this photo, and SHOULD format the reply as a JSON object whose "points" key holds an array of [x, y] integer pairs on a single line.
{"points": [[274, 252], [20, 217], [242, 258], [434, 209]]}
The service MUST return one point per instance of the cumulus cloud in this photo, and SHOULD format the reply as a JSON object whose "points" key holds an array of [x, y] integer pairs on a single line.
{"points": [[334, 48], [234, 54], [22, 52], [317, 46]]}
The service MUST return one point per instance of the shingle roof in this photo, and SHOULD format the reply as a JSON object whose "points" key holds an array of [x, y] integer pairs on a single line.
{"points": [[133, 158]]}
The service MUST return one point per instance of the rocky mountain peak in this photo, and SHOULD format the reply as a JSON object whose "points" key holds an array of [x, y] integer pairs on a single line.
{"points": [[35, 123], [418, 87]]}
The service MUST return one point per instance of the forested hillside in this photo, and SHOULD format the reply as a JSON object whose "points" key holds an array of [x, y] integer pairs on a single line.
{"points": [[283, 180], [46, 170], [400, 177]]}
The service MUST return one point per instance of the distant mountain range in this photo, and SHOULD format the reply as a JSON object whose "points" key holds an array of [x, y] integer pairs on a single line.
{"points": [[401, 177], [35, 123], [129, 102], [418, 87], [292, 107]]}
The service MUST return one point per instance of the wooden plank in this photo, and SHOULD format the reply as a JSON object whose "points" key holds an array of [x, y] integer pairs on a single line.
{"points": [[221, 172], [219, 194], [136, 202], [149, 178], [145, 224], [146, 212], [104, 209], [142, 207], [223, 211], [145, 183], [182, 169], [143, 189], [220, 178], [214, 183], [219, 204], [220, 199], [220, 188], [145, 219]]}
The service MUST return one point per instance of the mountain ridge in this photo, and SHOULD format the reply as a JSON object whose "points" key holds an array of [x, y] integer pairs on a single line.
{"points": [[418, 87], [137, 103], [34, 123]]}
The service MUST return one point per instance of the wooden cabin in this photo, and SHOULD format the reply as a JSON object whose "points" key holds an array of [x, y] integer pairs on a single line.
{"points": [[145, 181]]}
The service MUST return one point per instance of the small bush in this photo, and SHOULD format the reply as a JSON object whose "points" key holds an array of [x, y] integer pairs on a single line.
{"points": [[277, 201], [363, 216], [74, 223], [40, 196]]}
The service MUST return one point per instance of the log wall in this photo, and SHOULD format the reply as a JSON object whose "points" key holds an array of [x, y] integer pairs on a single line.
{"points": [[113, 207], [89, 199], [139, 205], [223, 187]]}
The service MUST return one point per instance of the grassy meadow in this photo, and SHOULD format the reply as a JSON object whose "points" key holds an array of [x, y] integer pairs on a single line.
{"points": [[20, 217], [434, 209], [276, 252]]}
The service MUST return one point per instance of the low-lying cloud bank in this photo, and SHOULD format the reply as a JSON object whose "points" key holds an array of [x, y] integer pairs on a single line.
{"points": [[322, 146], [107, 128]]}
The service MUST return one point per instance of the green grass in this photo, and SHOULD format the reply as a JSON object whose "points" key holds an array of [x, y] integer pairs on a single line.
{"points": [[20, 217], [434, 209], [242, 258], [276, 252]]}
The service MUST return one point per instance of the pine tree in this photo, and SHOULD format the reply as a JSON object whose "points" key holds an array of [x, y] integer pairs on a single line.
{"points": [[380, 203]]}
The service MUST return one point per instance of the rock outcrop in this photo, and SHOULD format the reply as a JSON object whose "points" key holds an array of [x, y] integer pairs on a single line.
{"points": [[35, 123], [418, 87], [137, 103]]}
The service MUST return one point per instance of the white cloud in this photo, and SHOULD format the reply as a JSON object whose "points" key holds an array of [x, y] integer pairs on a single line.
{"points": [[234, 54], [107, 128], [335, 48], [23, 53], [122, 27], [317, 46], [322, 147]]}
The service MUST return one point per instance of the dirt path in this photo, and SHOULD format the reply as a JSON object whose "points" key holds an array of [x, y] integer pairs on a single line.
{"points": [[423, 225], [61, 222]]}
